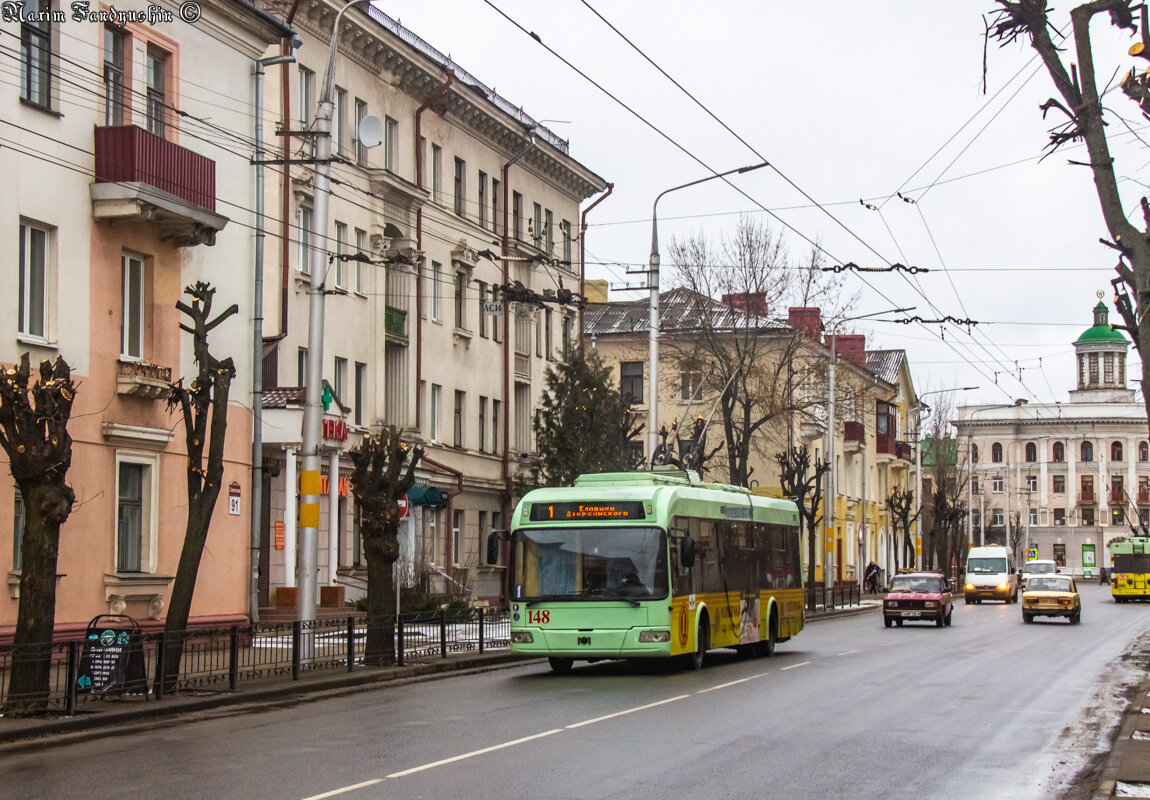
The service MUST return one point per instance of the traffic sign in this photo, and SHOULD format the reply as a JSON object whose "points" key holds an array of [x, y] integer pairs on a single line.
{"points": [[403, 509]]}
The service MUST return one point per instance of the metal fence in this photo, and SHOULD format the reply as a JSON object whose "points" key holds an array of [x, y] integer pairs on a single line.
{"points": [[221, 659], [841, 595]]}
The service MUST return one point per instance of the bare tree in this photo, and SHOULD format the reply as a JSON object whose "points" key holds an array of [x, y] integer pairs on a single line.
{"points": [[945, 535], [731, 347], [203, 406], [34, 433], [805, 486], [903, 511], [383, 469], [1081, 105]]}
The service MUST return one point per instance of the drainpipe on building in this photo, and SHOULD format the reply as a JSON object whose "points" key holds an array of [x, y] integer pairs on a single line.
{"points": [[583, 250], [435, 95], [505, 503]]}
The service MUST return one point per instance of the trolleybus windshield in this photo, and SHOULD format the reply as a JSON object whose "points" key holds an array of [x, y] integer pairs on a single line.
{"points": [[575, 563]]}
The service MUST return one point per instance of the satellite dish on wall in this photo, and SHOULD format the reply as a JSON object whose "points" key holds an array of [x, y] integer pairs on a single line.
{"points": [[370, 131]]}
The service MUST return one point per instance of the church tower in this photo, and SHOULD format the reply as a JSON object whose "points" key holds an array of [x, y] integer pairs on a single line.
{"points": [[1101, 354]]}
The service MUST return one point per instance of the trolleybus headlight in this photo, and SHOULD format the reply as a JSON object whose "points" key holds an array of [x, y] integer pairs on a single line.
{"points": [[646, 637], [522, 637]]}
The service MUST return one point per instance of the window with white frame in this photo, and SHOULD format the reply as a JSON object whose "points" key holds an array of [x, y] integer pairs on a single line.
{"points": [[36, 55], [133, 277], [360, 149], [433, 291], [341, 265], [690, 382], [136, 519], [996, 485], [1032, 483], [482, 427], [482, 199], [306, 100], [482, 292], [460, 310], [549, 232], [301, 366], [436, 174], [339, 383], [457, 420], [997, 517], [360, 386], [33, 280], [157, 78], [433, 412], [339, 122], [1034, 516], [115, 83], [361, 248], [390, 143], [460, 186], [303, 233], [565, 227], [537, 226]]}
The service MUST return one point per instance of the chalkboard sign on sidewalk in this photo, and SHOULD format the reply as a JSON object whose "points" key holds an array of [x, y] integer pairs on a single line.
{"points": [[113, 658]]}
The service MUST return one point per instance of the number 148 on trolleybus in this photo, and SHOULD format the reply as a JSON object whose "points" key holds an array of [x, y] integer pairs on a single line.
{"points": [[651, 565]]}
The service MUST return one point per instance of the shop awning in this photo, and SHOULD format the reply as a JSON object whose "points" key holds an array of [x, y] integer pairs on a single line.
{"points": [[428, 496]]}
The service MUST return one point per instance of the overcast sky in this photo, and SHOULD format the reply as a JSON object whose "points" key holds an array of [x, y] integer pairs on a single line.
{"points": [[848, 100]]}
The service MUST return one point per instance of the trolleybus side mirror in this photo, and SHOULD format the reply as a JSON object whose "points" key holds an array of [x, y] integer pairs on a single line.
{"points": [[493, 548], [687, 552]]}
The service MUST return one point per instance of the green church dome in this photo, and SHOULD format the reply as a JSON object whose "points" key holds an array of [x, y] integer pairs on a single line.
{"points": [[1101, 332]]}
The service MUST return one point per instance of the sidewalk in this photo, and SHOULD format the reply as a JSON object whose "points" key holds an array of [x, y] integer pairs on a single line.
{"points": [[134, 714], [1126, 770]]}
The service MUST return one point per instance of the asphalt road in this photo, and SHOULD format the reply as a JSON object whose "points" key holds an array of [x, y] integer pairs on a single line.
{"points": [[989, 707]]}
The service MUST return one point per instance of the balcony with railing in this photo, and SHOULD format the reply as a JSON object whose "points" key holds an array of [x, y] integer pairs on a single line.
{"points": [[1117, 497], [143, 177], [1087, 497], [885, 448], [1144, 497], [904, 451], [142, 379], [395, 324]]}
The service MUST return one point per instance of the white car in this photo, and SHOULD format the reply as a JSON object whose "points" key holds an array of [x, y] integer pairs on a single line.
{"points": [[1037, 567]]}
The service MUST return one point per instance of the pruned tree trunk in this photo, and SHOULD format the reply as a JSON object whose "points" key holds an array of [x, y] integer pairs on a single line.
{"points": [[203, 407], [34, 434], [383, 469], [805, 487]]}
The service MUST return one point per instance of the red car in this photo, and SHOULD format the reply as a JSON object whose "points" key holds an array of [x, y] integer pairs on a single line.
{"points": [[918, 597]]}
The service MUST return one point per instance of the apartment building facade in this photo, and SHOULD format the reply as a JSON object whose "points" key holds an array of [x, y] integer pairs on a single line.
{"points": [[1064, 475], [127, 179], [465, 195]]}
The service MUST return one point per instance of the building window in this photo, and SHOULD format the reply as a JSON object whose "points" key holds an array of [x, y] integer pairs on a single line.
{"points": [[1108, 369], [567, 336], [132, 307], [339, 122], [496, 319], [456, 537], [565, 227], [460, 315], [548, 350], [973, 485], [306, 100], [483, 531], [1116, 451], [157, 91], [996, 453], [996, 485], [1087, 451], [433, 412], [17, 529], [460, 186], [1087, 518], [390, 143], [1143, 451], [1117, 516], [33, 288], [1060, 517], [496, 410], [341, 265], [360, 148], [436, 174], [436, 275], [690, 382], [496, 207], [482, 423], [997, 517], [631, 382], [1060, 484], [522, 417], [361, 248], [115, 85], [482, 316], [360, 385], [974, 453], [1092, 360], [135, 520], [457, 422], [516, 216], [1032, 483], [303, 239], [1031, 452], [36, 56], [1059, 451], [301, 366], [1033, 516], [482, 199], [549, 231], [340, 380], [537, 227]]}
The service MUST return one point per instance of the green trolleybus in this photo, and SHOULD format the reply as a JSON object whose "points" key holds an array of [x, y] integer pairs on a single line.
{"points": [[1130, 578], [651, 565]]}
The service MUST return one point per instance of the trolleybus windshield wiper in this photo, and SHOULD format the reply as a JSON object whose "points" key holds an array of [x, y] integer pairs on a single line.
{"points": [[613, 595], [548, 598]]}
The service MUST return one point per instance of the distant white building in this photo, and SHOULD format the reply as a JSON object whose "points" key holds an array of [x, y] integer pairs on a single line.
{"points": [[1073, 474]]}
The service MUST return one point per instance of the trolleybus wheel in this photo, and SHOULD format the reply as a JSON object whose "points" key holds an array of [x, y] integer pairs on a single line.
{"points": [[767, 646], [702, 642], [560, 666]]}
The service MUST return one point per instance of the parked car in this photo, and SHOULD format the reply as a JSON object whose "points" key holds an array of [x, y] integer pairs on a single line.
{"points": [[1037, 567], [1051, 596], [918, 597]]}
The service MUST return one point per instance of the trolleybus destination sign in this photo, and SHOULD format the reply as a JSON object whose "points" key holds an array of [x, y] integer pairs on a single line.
{"points": [[546, 512]]}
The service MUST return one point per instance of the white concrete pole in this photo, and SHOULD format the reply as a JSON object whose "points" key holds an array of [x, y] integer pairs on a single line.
{"points": [[290, 530]]}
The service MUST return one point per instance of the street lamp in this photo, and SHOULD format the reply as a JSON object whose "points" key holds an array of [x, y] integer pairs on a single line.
{"points": [[653, 283], [310, 483], [921, 406]]}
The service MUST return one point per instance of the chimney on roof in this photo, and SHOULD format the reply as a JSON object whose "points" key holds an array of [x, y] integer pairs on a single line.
{"points": [[807, 320], [852, 347], [747, 302]]}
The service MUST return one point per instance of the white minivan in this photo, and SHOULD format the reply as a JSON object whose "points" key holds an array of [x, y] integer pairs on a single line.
{"points": [[991, 573]]}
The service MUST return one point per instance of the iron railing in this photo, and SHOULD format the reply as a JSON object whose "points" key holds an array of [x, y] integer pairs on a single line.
{"points": [[842, 595], [221, 659]]}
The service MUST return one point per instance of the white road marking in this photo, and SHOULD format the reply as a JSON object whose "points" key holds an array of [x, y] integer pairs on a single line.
{"points": [[792, 666], [627, 711], [846, 652], [351, 788], [732, 683], [472, 754]]}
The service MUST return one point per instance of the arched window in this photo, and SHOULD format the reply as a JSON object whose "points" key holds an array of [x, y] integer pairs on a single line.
{"points": [[1143, 451], [1087, 451], [1031, 453], [996, 453], [1059, 451], [1116, 451], [974, 453]]}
